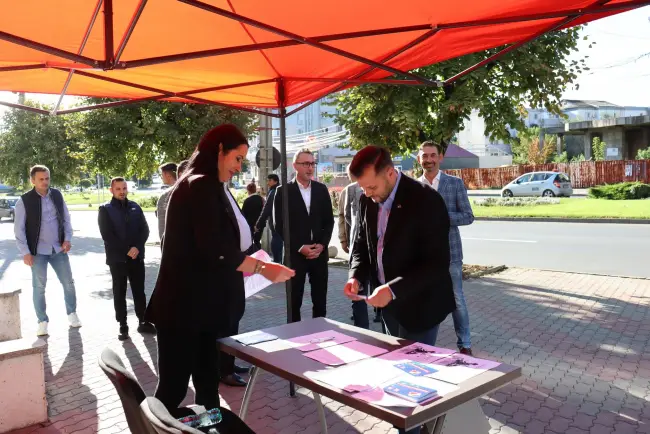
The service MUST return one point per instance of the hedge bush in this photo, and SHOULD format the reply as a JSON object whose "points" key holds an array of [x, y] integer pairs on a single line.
{"points": [[621, 191], [516, 201], [147, 201]]}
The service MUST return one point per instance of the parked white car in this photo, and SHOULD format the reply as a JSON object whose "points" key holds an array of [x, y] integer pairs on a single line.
{"points": [[546, 184]]}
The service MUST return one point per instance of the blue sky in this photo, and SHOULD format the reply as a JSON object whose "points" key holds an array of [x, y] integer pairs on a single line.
{"points": [[619, 62]]}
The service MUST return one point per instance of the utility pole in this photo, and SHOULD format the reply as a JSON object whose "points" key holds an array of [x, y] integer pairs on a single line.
{"points": [[266, 150]]}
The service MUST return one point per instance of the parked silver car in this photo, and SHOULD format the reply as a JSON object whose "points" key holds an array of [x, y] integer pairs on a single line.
{"points": [[547, 184], [7, 205]]}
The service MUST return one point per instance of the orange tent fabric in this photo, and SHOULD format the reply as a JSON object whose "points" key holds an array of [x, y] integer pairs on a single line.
{"points": [[41, 42]]}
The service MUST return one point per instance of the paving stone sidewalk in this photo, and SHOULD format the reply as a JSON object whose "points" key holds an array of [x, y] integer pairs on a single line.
{"points": [[582, 342]]}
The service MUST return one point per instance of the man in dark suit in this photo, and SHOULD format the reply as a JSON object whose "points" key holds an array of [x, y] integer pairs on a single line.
{"points": [[124, 230], [403, 233], [311, 221], [276, 240]]}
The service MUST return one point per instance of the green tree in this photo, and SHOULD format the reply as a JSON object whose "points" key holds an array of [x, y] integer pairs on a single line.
{"points": [[643, 154], [579, 158], [28, 138], [396, 116], [133, 140], [85, 183], [561, 158], [525, 148], [598, 149]]}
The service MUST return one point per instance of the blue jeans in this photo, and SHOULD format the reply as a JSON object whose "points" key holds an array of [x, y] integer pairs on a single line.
{"points": [[276, 247], [61, 264], [393, 328], [360, 309], [460, 315]]}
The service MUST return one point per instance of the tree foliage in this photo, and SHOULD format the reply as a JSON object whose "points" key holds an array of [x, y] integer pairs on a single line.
{"points": [[133, 140], [598, 149], [397, 117], [129, 141], [28, 138], [643, 154], [526, 149]]}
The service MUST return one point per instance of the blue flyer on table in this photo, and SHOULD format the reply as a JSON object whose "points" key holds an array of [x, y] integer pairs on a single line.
{"points": [[416, 369], [410, 392]]}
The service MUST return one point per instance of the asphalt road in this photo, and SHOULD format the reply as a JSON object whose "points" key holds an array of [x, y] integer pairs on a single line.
{"points": [[615, 249]]}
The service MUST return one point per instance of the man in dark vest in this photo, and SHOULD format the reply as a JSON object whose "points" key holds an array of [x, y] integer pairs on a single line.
{"points": [[124, 230], [43, 233]]}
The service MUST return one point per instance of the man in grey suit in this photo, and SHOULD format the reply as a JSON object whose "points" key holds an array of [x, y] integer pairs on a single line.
{"points": [[454, 193]]}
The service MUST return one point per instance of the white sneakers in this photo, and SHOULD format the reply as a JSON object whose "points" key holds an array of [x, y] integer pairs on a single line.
{"points": [[42, 329], [73, 319]]}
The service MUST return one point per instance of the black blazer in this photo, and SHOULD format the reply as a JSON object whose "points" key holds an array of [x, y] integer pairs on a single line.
{"points": [[266, 212], [252, 208], [198, 286], [416, 248], [313, 228]]}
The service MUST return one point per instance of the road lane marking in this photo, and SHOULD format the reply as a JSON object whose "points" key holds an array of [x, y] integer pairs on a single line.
{"points": [[500, 239]]}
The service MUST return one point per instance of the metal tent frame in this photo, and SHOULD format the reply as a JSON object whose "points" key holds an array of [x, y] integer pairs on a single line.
{"points": [[112, 61]]}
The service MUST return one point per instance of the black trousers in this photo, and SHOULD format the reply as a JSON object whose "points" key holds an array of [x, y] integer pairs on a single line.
{"points": [[226, 361], [318, 273], [182, 354], [133, 270]]}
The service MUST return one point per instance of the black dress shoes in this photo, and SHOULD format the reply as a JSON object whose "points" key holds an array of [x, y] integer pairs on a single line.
{"points": [[234, 380], [241, 369]]}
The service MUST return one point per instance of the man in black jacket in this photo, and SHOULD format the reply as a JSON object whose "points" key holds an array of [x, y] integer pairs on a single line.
{"points": [[252, 206], [403, 233], [276, 240], [311, 221], [403, 248], [124, 230]]}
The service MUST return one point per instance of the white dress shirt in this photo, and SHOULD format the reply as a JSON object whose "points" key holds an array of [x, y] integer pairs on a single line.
{"points": [[305, 192], [434, 184], [245, 237]]}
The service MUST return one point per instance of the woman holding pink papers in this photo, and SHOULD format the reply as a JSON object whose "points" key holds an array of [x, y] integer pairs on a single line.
{"points": [[199, 293]]}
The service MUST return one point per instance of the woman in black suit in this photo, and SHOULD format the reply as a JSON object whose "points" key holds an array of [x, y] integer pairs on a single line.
{"points": [[200, 286]]}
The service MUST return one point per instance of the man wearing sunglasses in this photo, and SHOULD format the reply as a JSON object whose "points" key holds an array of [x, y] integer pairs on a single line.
{"points": [[311, 221]]}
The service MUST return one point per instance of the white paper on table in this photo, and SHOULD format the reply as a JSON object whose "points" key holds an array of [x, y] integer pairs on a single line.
{"points": [[254, 283], [358, 376], [325, 339], [345, 353], [377, 396], [459, 367], [254, 337], [273, 346]]}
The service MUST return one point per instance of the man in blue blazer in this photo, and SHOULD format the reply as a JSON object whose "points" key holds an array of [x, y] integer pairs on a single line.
{"points": [[454, 193]]}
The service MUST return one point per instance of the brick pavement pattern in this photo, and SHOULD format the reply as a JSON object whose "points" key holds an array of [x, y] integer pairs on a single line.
{"points": [[582, 342]]}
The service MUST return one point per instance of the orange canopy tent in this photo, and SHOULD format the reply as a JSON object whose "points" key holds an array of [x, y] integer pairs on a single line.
{"points": [[252, 54], [258, 54]]}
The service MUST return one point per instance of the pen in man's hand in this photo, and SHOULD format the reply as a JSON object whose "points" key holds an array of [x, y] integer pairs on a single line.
{"points": [[392, 282]]}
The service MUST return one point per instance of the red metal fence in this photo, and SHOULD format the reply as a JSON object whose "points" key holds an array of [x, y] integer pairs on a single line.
{"points": [[583, 175]]}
